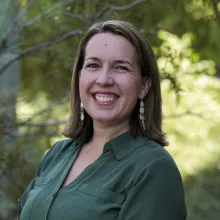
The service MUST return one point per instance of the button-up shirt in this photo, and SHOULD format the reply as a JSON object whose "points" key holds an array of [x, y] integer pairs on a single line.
{"points": [[133, 179]]}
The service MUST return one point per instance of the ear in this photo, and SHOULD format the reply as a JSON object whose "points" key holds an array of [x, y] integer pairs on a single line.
{"points": [[146, 84]]}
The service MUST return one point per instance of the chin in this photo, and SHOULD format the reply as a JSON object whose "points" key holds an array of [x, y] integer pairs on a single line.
{"points": [[105, 119]]}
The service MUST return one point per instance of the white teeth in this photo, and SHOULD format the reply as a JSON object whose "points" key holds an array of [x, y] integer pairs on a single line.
{"points": [[105, 99]]}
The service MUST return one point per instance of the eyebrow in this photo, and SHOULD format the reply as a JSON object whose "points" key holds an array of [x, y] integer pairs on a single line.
{"points": [[115, 61], [123, 61], [93, 58]]}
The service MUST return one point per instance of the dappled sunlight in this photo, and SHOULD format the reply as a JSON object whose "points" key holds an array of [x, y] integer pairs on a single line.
{"points": [[191, 120], [40, 106], [174, 45], [41, 114], [26, 110], [200, 8], [189, 124]]}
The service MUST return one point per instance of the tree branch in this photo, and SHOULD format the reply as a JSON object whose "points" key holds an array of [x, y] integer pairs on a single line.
{"points": [[39, 47], [43, 14], [111, 8], [68, 14], [48, 109], [17, 19], [15, 27], [54, 58], [45, 124]]}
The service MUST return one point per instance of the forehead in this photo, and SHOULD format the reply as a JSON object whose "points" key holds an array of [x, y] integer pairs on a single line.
{"points": [[111, 46]]}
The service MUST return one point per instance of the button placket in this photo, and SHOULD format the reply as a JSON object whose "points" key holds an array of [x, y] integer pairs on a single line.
{"points": [[67, 164]]}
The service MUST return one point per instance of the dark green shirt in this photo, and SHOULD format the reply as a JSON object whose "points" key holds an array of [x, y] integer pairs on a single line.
{"points": [[133, 179]]}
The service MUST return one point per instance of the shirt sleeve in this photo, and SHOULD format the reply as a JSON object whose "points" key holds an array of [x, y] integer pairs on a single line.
{"points": [[44, 162], [156, 195]]}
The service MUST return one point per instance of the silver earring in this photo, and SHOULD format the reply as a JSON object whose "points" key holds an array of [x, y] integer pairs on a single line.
{"points": [[81, 113], [141, 114]]}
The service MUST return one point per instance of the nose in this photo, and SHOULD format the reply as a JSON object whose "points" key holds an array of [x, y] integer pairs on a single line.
{"points": [[105, 78]]}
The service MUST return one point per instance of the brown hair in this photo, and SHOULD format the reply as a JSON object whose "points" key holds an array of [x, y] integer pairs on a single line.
{"points": [[148, 65]]}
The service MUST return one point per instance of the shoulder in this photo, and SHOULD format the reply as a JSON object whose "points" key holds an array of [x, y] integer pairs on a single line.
{"points": [[59, 150], [157, 179], [152, 158], [60, 146], [149, 152]]}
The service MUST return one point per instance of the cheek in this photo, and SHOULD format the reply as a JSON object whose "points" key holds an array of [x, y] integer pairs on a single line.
{"points": [[86, 78], [132, 88], [85, 83]]}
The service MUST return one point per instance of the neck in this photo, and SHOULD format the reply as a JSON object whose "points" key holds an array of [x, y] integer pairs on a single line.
{"points": [[103, 134]]}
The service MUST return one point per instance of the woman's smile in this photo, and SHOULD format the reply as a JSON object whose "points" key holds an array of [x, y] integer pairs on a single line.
{"points": [[105, 98]]}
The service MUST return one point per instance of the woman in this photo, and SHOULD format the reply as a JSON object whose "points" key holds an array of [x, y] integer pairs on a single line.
{"points": [[114, 165]]}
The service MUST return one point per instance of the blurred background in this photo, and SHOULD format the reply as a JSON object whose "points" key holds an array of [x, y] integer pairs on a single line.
{"points": [[38, 41]]}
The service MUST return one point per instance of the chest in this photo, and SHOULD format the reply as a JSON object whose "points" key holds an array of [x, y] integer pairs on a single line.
{"points": [[83, 160], [92, 190]]}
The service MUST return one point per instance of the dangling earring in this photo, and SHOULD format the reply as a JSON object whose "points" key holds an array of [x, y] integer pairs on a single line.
{"points": [[81, 113], [141, 114]]}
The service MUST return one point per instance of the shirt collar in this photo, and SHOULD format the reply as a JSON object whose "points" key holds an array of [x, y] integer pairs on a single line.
{"points": [[124, 144]]}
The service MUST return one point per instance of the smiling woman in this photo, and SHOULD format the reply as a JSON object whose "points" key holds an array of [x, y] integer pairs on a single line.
{"points": [[113, 166]]}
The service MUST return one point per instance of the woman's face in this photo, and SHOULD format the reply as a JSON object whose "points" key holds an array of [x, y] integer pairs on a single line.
{"points": [[110, 80]]}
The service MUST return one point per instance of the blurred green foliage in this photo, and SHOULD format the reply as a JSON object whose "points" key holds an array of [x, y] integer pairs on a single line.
{"points": [[184, 35]]}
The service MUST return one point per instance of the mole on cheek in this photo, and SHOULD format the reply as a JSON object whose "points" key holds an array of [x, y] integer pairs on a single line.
{"points": [[106, 44]]}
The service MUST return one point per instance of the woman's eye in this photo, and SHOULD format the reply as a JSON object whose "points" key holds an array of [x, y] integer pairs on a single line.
{"points": [[122, 68], [92, 65]]}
